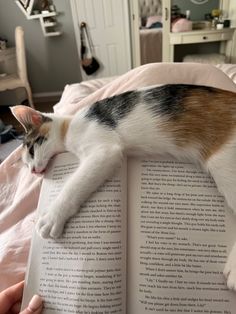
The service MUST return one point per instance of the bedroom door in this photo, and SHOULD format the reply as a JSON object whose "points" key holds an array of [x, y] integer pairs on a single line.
{"points": [[109, 30]]}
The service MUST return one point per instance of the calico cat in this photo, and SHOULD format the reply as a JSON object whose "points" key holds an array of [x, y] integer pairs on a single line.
{"points": [[186, 121]]}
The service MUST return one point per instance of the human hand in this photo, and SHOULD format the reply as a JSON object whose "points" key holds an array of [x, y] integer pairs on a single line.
{"points": [[10, 301]]}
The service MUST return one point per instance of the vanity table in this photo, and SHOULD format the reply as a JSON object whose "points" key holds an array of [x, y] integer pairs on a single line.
{"points": [[225, 36], [202, 40]]}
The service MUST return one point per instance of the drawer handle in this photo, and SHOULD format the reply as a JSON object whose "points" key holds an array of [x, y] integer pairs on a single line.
{"points": [[166, 14], [204, 37]]}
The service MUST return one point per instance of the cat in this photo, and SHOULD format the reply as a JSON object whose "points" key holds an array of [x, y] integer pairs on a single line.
{"points": [[186, 121]]}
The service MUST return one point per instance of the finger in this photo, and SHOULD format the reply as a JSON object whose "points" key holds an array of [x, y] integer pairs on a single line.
{"points": [[11, 296], [29, 311], [35, 306], [15, 309]]}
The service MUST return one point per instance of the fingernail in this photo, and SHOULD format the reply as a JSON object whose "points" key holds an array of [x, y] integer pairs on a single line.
{"points": [[35, 303]]}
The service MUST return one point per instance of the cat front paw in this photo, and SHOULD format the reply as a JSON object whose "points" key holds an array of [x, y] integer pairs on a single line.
{"points": [[49, 226], [230, 272]]}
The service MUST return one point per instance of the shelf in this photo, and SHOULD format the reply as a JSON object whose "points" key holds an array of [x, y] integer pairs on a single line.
{"points": [[51, 34], [41, 17], [19, 4], [38, 16], [51, 24], [46, 28]]}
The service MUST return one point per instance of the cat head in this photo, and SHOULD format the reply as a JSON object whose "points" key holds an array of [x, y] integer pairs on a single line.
{"points": [[42, 139]]}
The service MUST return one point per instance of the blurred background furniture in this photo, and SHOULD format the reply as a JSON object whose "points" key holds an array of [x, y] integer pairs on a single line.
{"points": [[150, 31], [14, 67], [212, 42]]}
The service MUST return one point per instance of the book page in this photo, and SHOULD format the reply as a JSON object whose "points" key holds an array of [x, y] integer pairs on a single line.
{"points": [[179, 236], [84, 271]]}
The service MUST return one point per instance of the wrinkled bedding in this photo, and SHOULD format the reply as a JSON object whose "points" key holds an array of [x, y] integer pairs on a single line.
{"points": [[19, 189]]}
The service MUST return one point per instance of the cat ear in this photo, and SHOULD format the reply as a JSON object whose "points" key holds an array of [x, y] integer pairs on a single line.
{"points": [[28, 117]]}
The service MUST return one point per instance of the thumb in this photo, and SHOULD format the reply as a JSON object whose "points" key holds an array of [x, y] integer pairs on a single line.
{"points": [[35, 306]]}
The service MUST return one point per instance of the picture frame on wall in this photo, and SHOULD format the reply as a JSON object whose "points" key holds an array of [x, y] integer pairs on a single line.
{"points": [[30, 6], [24, 3]]}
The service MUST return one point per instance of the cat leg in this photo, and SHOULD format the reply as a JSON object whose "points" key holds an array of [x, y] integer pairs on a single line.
{"points": [[93, 170], [223, 170], [230, 269], [222, 167]]}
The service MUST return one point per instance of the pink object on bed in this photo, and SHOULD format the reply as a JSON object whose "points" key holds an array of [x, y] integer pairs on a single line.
{"points": [[19, 189], [182, 25], [153, 19]]}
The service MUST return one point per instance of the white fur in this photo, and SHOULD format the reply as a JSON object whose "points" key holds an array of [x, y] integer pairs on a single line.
{"points": [[100, 151], [222, 168], [151, 136], [44, 152]]}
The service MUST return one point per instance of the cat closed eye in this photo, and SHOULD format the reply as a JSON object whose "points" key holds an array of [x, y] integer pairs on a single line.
{"points": [[40, 140], [31, 151]]}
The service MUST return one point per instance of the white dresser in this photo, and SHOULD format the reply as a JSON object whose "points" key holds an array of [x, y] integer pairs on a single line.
{"points": [[176, 46], [225, 36]]}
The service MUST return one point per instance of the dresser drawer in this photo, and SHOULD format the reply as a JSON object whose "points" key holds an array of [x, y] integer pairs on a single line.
{"points": [[201, 38], [191, 37]]}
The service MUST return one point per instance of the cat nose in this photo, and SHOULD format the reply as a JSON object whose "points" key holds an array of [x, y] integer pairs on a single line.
{"points": [[37, 170]]}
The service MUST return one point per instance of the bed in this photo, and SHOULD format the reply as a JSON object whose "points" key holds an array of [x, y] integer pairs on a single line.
{"points": [[19, 189], [150, 32]]}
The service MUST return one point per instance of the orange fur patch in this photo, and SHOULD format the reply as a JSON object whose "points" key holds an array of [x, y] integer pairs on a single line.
{"points": [[64, 127], [44, 128], [208, 120]]}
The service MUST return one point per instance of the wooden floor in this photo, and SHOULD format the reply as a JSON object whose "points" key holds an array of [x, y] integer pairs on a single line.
{"points": [[7, 117]]}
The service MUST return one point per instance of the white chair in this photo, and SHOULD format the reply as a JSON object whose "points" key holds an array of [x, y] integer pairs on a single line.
{"points": [[20, 78]]}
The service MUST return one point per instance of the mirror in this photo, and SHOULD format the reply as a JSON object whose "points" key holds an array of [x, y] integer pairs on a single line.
{"points": [[154, 36]]}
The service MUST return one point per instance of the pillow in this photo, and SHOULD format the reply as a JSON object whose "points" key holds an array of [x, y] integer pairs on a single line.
{"points": [[156, 25], [153, 19], [182, 25]]}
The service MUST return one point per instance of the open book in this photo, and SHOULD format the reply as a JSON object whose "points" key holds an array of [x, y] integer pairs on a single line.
{"points": [[153, 239]]}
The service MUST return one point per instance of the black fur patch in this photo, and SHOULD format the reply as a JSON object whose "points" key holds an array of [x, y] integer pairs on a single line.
{"points": [[40, 140], [165, 99], [169, 99], [162, 100], [110, 110], [33, 137], [46, 119], [31, 151]]}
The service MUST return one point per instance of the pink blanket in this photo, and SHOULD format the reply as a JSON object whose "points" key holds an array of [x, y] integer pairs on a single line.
{"points": [[19, 189]]}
